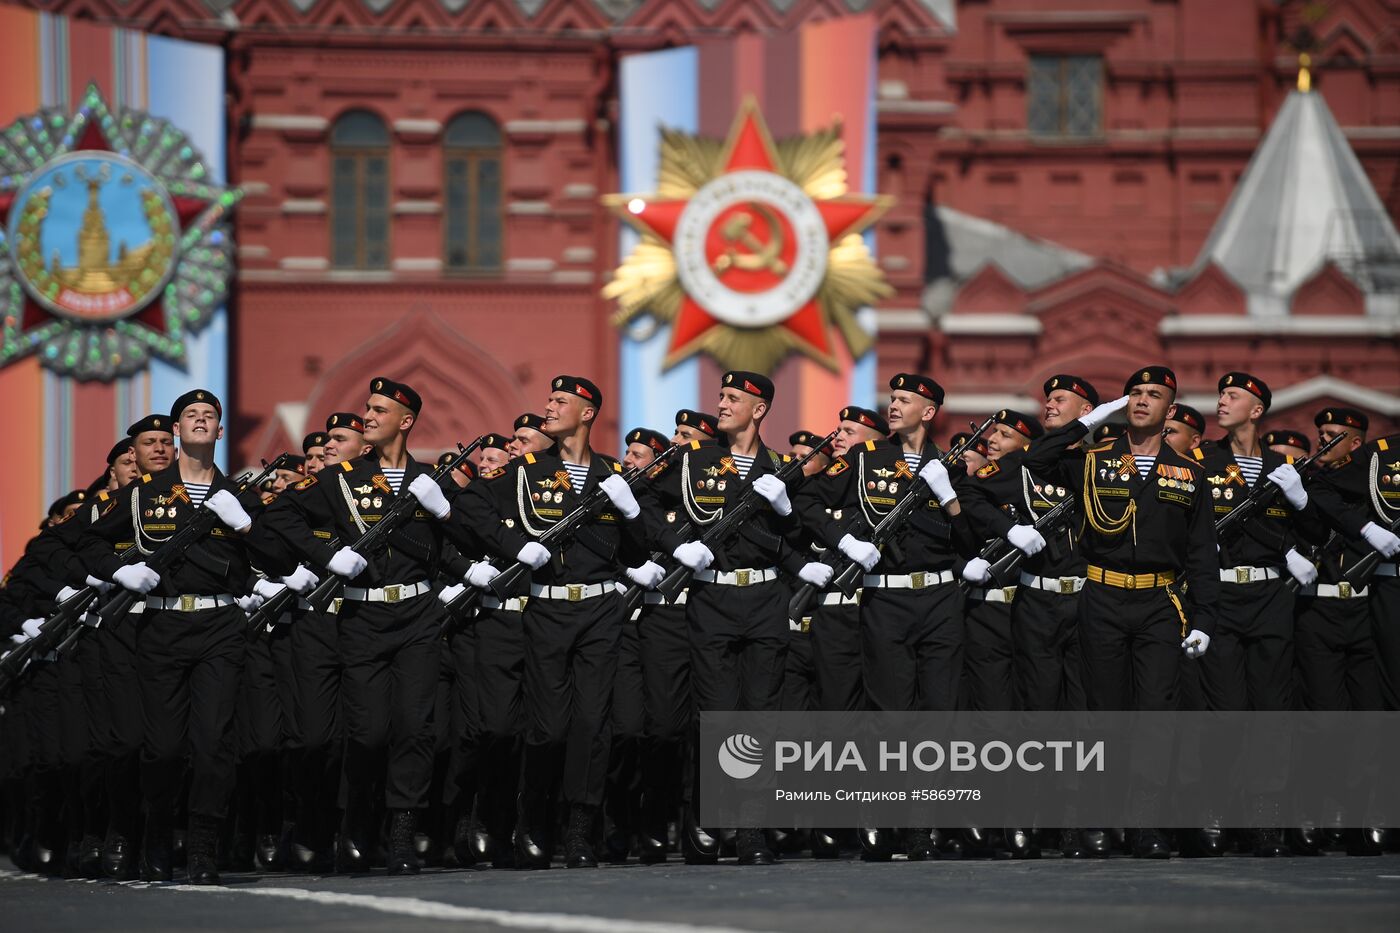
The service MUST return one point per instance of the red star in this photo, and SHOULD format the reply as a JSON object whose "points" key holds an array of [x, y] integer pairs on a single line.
{"points": [[750, 147]]}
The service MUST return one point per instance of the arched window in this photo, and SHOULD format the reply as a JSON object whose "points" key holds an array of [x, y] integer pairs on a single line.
{"points": [[359, 192], [472, 194]]}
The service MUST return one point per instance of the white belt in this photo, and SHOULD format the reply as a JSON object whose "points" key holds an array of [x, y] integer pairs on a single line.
{"points": [[137, 607], [393, 593], [1062, 585], [573, 592], [332, 609], [650, 598], [1248, 574], [996, 594], [745, 577], [918, 580], [1387, 570], [189, 603], [838, 598], [803, 625], [514, 604], [1333, 591]]}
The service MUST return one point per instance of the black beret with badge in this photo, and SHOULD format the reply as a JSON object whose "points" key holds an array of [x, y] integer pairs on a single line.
{"points": [[498, 441], [979, 445], [466, 466], [1285, 438], [657, 441], [118, 449], [347, 420], [150, 423], [866, 417], [709, 424], [919, 385], [1020, 422], [751, 383], [1109, 432], [314, 439], [577, 385], [1251, 384], [1151, 376], [398, 391], [1190, 417], [529, 420], [196, 397], [1080, 387], [1347, 417]]}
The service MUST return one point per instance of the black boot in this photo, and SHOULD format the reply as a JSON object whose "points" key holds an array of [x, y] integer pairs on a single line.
{"points": [[403, 848], [1072, 844], [578, 841], [752, 848], [919, 847], [352, 850], [1207, 842], [462, 848], [1306, 840], [697, 846], [1268, 843], [90, 857], [202, 850], [825, 845], [156, 845], [118, 857], [1150, 843], [651, 832], [1021, 843], [1098, 843], [1364, 842], [532, 848], [267, 854], [876, 845]]}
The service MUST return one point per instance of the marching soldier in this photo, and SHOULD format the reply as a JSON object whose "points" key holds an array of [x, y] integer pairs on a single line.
{"points": [[1287, 443], [1184, 429], [313, 447], [528, 436]]}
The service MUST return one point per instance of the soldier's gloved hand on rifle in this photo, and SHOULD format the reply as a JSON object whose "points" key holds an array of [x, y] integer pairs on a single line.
{"points": [[29, 629], [250, 603], [694, 555], [620, 495], [647, 575], [101, 586], [1103, 412], [301, 581], [977, 570], [481, 573], [815, 573], [1381, 539], [1026, 539], [67, 593], [429, 496], [268, 588], [450, 593], [862, 552], [533, 555], [1195, 644], [936, 475], [347, 563], [136, 577], [1286, 478], [1302, 569], [771, 488], [225, 505]]}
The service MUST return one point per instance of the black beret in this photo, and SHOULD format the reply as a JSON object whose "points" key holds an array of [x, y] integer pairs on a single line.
{"points": [[1287, 439], [865, 416], [119, 448], [62, 502], [1020, 422], [1349, 417], [577, 385], [466, 466], [698, 419], [150, 423], [295, 462], [654, 439], [314, 439], [920, 385], [1252, 384], [1190, 417], [979, 445], [1151, 375], [1081, 387], [194, 397], [752, 383], [529, 420], [397, 391], [1108, 431], [803, 439], [347, 420], [498, 441]]}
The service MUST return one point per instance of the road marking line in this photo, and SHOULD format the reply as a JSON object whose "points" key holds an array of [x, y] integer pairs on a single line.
{"points": [[436, 910]]}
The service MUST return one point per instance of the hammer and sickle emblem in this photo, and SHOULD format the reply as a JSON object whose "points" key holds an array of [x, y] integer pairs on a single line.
{"points": [[756, 255]]}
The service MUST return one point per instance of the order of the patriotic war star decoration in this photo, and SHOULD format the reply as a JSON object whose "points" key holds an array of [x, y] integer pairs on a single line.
{"points": [[750, 250], [114, 243]]}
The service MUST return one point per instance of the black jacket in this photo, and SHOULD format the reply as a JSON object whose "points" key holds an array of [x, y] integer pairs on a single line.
{"points": [[1263, 540], [1353, 493], [1005, 493]]}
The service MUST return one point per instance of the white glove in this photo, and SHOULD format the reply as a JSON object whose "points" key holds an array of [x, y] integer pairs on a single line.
{"points": [[1302, 569], [480, 574], [1286, 478], [18, 638], [1381, 539], [302, 580], [101, 586], [977, 571], [450, 593], [268, 588], [620, 495], [429, 496], [136, 577], [694, 555], [250, 603], [534, 555], [647, 575], [1026, 540], [347, 563], [66, 593], [936, 475], [225, 505], [815, 573], [862, 552], [31, 627], [1196, 643], [1103, 412], [771, 488]]}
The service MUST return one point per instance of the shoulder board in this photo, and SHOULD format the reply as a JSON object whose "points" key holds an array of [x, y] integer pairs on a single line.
{"points": [[347, 466], [492, 474], [1200, 454], [694, 445], [787, 458], [1289, 458], [617, 467], [1100, 449], [103, 496], [529, 458], [306, 483], [837, 468], [145, 477], [870, 445], [1382, 444], [990, 469]]}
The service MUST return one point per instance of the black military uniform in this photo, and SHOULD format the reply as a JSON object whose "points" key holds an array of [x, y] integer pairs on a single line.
{"points": [[1382, 464]]}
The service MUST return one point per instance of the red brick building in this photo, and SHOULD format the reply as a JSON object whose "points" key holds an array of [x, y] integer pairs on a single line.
{"points": [[423, 182]]}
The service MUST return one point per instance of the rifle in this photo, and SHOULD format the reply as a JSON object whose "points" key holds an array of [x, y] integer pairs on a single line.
{"points": [[1363, 568], [56, 628], [1005, 560], [271, 610], [1261, 495], [400, 510], [729, 522], [174, 548], [848, 574]]}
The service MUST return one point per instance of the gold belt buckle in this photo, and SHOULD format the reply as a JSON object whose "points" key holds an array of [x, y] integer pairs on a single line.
{"points": [[1129, 581], [391, 593], [741, 578], [916, 580], [1008, 593], [1066, 585], [806, 625], [335, 604], [575, 592], [1242, 575], [187, 603], [1344, 590]]}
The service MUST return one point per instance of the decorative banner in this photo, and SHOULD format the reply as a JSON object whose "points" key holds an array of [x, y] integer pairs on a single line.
{"points": [[750, 250], [116, 243]]}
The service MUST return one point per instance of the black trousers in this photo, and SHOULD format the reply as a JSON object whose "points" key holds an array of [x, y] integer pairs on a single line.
{"points": [[500, 672], [1384, 604], [1249, 665], [189, 665], [1336, 655], [623, 793], [390, 652], [799, 674], [571, 651], [663, 642], [464, 717], [912, 647], [1130, 641], [316, 668], [988, 661], [1045, 650], [120, 746], [836, 642], [738, 645]]}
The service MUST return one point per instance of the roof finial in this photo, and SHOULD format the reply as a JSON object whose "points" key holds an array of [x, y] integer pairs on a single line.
{"points": [[1305, 72]]}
